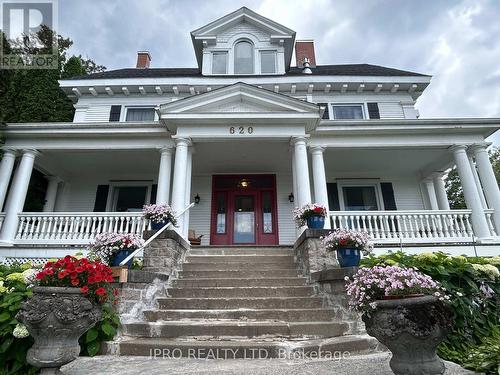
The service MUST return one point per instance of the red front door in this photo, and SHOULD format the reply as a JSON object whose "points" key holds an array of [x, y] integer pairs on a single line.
{"points": [[244, 210]]}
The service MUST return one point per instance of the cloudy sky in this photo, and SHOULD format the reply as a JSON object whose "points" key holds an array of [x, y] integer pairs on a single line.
{"points": [[455, 41]]}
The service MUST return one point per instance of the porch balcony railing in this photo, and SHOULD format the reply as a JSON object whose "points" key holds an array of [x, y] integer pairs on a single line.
{"points": [[410, 226], [75, 228], [2, 218]]}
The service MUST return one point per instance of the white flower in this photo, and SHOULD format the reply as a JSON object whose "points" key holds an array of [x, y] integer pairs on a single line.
{"points": [[460, 294], [20, 331]]}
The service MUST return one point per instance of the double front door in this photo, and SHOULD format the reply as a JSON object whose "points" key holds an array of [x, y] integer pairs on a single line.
{"points": [[244, 210]]}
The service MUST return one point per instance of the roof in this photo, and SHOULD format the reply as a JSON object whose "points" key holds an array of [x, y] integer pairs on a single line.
{"points": [[325, 70]]}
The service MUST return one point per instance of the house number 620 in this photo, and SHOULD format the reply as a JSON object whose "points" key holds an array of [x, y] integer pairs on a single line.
{"points": [[241, 130]]}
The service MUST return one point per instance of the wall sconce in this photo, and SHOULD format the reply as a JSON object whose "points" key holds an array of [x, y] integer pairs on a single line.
{"points": [[197, 199], [291, 198]]}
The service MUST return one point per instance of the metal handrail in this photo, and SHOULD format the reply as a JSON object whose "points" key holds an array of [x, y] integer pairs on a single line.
{"points": [[124, 261]]}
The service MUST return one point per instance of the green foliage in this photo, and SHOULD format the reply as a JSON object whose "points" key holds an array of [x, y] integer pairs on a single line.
{"points": [[474, 287], [104, 330], [485, 357], [12, 350]]}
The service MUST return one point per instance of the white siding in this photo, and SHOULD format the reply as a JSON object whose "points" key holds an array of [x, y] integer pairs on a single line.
{"points": [[286, 226], [199, 217], [390, 110], [407, 194], [98, 113]]}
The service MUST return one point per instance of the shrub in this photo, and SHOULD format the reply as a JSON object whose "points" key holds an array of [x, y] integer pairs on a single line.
{"points": [[473, 284]]}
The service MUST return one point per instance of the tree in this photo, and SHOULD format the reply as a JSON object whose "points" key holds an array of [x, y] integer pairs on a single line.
{"points": [[454, 186]]}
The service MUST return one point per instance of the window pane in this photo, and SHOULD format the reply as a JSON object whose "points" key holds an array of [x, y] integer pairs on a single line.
{"points": [[130, 198], [221, 213], [267, 212], [244, 219], [268, 62], [347, 112], [360, 198], [243, 58], [219, 63], [140, 114]]}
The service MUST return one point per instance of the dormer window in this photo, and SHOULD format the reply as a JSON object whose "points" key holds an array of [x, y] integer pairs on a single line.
{"points": [[268, 62], [219, 62], [243, 58]]}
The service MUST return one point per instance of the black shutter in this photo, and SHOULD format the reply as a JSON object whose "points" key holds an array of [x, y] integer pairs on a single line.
{"points": [[388, 196], [373, 111], [101, 198], [154, 189], [326, 114], [114, 114], [333, 197]]}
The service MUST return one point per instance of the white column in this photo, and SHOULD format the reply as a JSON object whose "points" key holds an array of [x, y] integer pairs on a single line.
{"points": [[179, 180], [302, 171], [431, 193], [51, 194], [471, 194], [439, 186], [187, 200], [17, 196], [319, 179], [6, 167], [478, 182], [488, 180], [164, 173], [294, 177]]}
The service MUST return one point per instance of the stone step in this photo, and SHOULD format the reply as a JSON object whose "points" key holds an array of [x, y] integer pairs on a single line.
{"points": [[277, 281], [237, 266], [225, 292], [237, 274], [239, 303], [245, 349], [280, 259], [228, 328], [288, 315], [230, 250]]}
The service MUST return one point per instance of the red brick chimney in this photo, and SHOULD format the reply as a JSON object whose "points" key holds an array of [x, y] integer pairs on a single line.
{"points": [[143, 59], [305, 49]]}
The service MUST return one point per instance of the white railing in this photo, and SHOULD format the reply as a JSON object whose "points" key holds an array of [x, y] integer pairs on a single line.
{"points": [[2, 218], [407, 226], [489, 219], [76, 228]]}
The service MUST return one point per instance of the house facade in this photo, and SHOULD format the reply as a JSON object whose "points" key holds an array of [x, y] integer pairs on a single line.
{"points": [[248, 137]]}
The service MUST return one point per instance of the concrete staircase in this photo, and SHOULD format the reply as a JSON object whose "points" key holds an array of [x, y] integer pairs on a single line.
{"points": [[246, 301]]}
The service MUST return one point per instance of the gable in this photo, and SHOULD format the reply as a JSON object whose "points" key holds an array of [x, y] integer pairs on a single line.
{"points": [[237, 104]]}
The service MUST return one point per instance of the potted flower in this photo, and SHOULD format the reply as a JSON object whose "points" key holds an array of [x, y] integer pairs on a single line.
{"points": [[349, 244], [159, 215], [66, 302], [406, 311], [113, 248], [312, 214]]}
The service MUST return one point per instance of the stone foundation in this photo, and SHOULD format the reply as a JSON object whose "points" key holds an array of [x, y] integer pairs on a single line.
{"points": [[165, 253], [311, 255]]}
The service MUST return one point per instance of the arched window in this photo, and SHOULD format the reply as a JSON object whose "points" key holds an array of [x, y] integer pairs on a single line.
{"points": [[243, 58]]}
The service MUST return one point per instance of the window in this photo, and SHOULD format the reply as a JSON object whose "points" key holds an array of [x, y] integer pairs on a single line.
{"points": [[268, 62], [130, 198], [243, 58], [360, 198], [140, 114], [219, 62], [114, 114], [348, 111]]}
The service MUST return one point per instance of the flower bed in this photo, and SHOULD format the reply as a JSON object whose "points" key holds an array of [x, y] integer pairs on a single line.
{"points": [[300, 215], [106, 245]]}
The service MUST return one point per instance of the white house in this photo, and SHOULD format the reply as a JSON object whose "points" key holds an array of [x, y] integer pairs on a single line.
{"points": [[249, 137]]}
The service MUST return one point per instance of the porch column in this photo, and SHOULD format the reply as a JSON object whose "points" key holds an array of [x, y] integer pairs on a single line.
{"points": [[187, 200], [51, 194], [6, 167], [17, 196], [319, 179], [431, 193], [302, 171], [471, 194], [164, 173], [479, 187], [488, 180], [179, 181], [442, 197]]}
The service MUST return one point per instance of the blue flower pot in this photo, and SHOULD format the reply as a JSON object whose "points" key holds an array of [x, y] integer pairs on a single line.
{"points": [[121, 255], [316, 222], [157, 226], [348, 257]]}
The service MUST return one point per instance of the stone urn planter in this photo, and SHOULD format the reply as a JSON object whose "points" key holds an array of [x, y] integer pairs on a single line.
{"points": [[56, 317], [411, 328]]}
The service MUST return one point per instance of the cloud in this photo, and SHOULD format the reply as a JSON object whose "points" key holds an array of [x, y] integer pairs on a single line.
{"points": [[455, 41]]}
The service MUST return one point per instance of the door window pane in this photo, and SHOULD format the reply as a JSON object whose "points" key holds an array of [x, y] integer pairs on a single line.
{"points": [[140, 114], [219, 62], [360, 198], [130, 198], [243, 58], [221, 213], [348, 112], [268, 62], [244, 219], [267, 212]]}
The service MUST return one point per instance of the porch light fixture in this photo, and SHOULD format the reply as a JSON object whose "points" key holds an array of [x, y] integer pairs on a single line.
{"points": [[291, 198], [244, 183], [197, 199]]}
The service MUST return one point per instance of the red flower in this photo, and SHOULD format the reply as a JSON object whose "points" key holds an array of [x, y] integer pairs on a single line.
{"points": [[62, 274], [101, 291], [343, 242], [74, 282], [49, 271], [115, 292], [318, 210], [40, 275], [84, 289], [79, 269]]}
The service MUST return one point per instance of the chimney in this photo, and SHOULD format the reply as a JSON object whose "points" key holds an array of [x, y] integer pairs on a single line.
{"points": [[143, 59], [304, 49]]}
